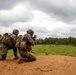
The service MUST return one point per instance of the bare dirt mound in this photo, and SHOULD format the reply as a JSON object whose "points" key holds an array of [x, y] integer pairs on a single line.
{"points": [[44, 65]]}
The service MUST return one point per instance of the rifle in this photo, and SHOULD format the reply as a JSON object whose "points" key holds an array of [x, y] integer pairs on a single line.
{"points": [[34, 38]]}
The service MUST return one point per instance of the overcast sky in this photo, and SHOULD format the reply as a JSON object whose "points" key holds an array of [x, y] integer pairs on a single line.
{"points": [[48, 18]]}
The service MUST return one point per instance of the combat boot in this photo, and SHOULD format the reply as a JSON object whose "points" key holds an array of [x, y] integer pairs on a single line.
{"points": [[1, 58], [20, 60], [16, 57]]}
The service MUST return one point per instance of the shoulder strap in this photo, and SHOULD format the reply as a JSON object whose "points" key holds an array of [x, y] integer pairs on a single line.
{"points": [[22, 38]]}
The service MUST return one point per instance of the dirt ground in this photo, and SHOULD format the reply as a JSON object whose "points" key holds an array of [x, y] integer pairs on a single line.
{"points": [[44, 65]]}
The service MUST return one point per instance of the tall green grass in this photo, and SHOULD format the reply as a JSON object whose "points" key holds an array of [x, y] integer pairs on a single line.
{"points": [[39, 50], [67, 50]]}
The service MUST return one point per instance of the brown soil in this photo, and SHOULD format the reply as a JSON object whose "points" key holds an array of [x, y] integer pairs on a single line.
{"points": [[44, 65]]}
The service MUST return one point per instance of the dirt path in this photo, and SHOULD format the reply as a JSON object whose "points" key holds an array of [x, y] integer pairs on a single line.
{"points": [[44, 65]]}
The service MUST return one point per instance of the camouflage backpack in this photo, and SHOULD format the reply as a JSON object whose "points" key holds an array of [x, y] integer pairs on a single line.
{"points": [[17, 45], [21, 43], [7, 40]]}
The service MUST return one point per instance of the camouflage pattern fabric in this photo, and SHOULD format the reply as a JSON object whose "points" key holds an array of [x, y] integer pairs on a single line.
{"points": [[4, 48], [27, 56], [25, 53]]}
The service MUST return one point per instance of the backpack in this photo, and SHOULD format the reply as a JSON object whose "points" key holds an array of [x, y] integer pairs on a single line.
{"points": [[7, 40], [21, 43], [17, 45]]}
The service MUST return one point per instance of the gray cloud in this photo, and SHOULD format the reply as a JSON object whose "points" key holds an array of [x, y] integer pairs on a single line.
{"points": [[65, 32], [5, 24], [64, 10], [18, 13], [7, 4], [8, 20], [61, 10]]}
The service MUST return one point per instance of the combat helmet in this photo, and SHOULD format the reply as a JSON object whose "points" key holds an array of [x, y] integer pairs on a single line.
{"points": [[30, 31], [16, 31]]}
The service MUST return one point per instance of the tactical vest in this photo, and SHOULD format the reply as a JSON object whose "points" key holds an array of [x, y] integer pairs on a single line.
{"points": [[21, 43], [6, 40], [18, 41]]}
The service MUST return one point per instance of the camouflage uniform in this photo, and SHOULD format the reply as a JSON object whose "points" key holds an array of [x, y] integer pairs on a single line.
{"points": [[4, 48], [25, 53]]}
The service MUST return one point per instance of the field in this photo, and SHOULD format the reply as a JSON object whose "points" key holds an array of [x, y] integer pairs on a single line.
{"points": [[51, 60], [39, 50]]}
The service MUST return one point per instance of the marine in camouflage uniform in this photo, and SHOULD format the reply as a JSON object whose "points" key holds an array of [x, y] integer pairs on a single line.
{"points": [[25, 54], [4, 48]]}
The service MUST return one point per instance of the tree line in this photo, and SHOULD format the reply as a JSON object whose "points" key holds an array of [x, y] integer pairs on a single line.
{"points": [[61, 41], [58, 41]]}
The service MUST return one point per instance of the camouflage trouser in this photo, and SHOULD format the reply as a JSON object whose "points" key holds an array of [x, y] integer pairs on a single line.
{"points": [[4, 49], [0, 50], [27, 56]]}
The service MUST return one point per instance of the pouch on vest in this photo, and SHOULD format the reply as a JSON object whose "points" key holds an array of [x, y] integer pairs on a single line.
{"points": [[18, 41], [7, 40], [23, 45]]}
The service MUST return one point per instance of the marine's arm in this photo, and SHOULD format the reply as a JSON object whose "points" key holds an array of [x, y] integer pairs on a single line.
{"points": [[30, 39], [34, 38]]}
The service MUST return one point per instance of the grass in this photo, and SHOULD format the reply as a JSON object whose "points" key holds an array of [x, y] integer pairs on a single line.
{"points": [[67, 50], [38, 50]]}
